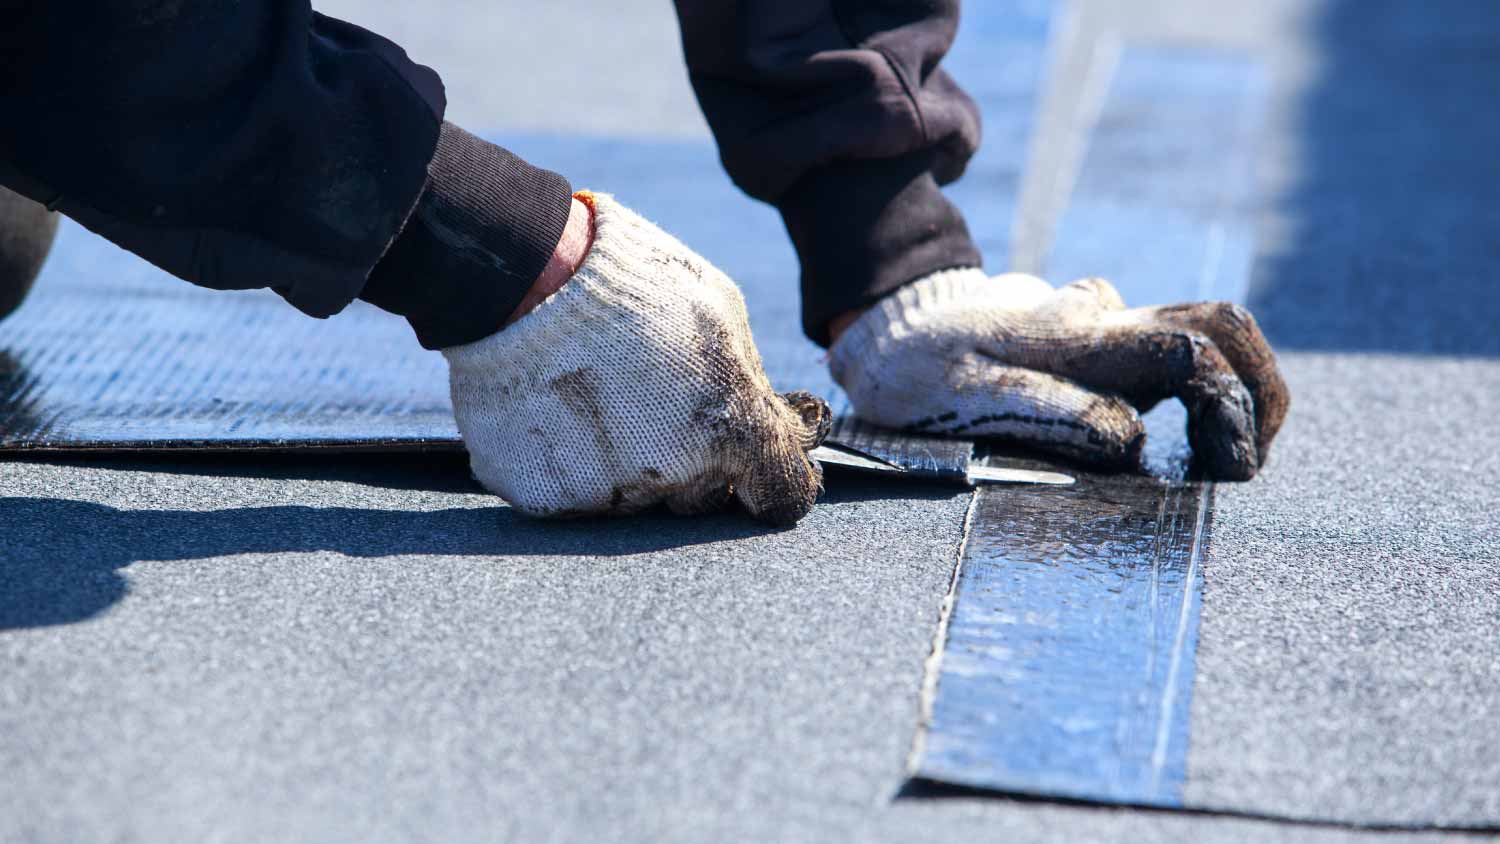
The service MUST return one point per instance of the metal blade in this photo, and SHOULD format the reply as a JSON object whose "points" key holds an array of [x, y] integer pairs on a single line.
{"points": [[840, 455], [837, 455], [996, 475]]}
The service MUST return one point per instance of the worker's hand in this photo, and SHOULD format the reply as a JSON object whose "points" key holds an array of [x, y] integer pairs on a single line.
{"points": [[1062, 370], [635, 384]]}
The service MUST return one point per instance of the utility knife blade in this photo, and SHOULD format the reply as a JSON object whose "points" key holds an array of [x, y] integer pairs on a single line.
{"points": [[840, 455]]}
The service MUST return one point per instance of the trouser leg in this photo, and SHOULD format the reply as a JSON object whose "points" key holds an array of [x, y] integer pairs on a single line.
{"points": [[835, 111], [260, 144]]}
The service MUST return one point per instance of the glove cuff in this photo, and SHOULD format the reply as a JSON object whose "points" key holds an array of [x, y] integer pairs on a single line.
{"points": [[618, 286], [899, 314], [481, 232]]}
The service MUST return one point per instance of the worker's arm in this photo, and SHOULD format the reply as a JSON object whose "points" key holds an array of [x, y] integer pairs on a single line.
{"points": [[837, 112], [259, 144]]}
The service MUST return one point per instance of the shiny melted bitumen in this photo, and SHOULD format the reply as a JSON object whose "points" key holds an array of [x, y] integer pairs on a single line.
{"points": [[1067, 667]]}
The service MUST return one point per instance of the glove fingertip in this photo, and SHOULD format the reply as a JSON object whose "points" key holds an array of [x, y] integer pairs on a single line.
{"points": [[1222, 437], [782, 492], [816, 415]]}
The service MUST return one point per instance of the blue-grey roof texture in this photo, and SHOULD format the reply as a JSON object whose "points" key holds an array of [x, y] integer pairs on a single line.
{"points": [[355, 648]]}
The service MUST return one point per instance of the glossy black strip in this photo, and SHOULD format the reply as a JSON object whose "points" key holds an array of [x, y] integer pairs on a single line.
{"points": [[1066, 665]]}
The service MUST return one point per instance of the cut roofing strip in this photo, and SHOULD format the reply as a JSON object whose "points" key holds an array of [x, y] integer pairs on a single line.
{"points": [[1067, 666]]}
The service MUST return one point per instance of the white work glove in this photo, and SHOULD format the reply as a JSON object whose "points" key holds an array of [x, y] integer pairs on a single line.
{"points": [[637, 383], [1064, 370]]}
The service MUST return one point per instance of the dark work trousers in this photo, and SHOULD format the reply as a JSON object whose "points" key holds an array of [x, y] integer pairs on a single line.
{"points": [[260, 144]]}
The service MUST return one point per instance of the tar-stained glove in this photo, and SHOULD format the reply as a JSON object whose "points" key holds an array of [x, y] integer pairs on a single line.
{"points": [[1062, 370], [637, 383]]}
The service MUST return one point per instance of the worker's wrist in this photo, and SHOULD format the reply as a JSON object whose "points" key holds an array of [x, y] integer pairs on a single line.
{"points": [[566, 258], [484, 230], [840, 323], [943, 284], [865, 228]]}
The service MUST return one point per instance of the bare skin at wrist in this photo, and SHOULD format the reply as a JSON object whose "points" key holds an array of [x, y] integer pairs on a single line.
{"points": [[567, 257], [837, 325]]}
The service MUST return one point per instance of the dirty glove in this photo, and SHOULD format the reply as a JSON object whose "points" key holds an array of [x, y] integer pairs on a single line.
{"points": [[635, 384], [1063, 370]]}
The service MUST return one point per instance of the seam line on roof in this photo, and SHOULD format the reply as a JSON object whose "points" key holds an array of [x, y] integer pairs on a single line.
{"points": [[933, 664]]}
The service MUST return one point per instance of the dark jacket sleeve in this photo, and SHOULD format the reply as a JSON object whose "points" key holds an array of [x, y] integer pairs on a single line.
{"points": [[251, 144], [836, 112]]}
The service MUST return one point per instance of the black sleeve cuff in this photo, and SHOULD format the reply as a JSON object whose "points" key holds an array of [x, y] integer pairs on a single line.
{"points": [[480, 234], [865, 228]]}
